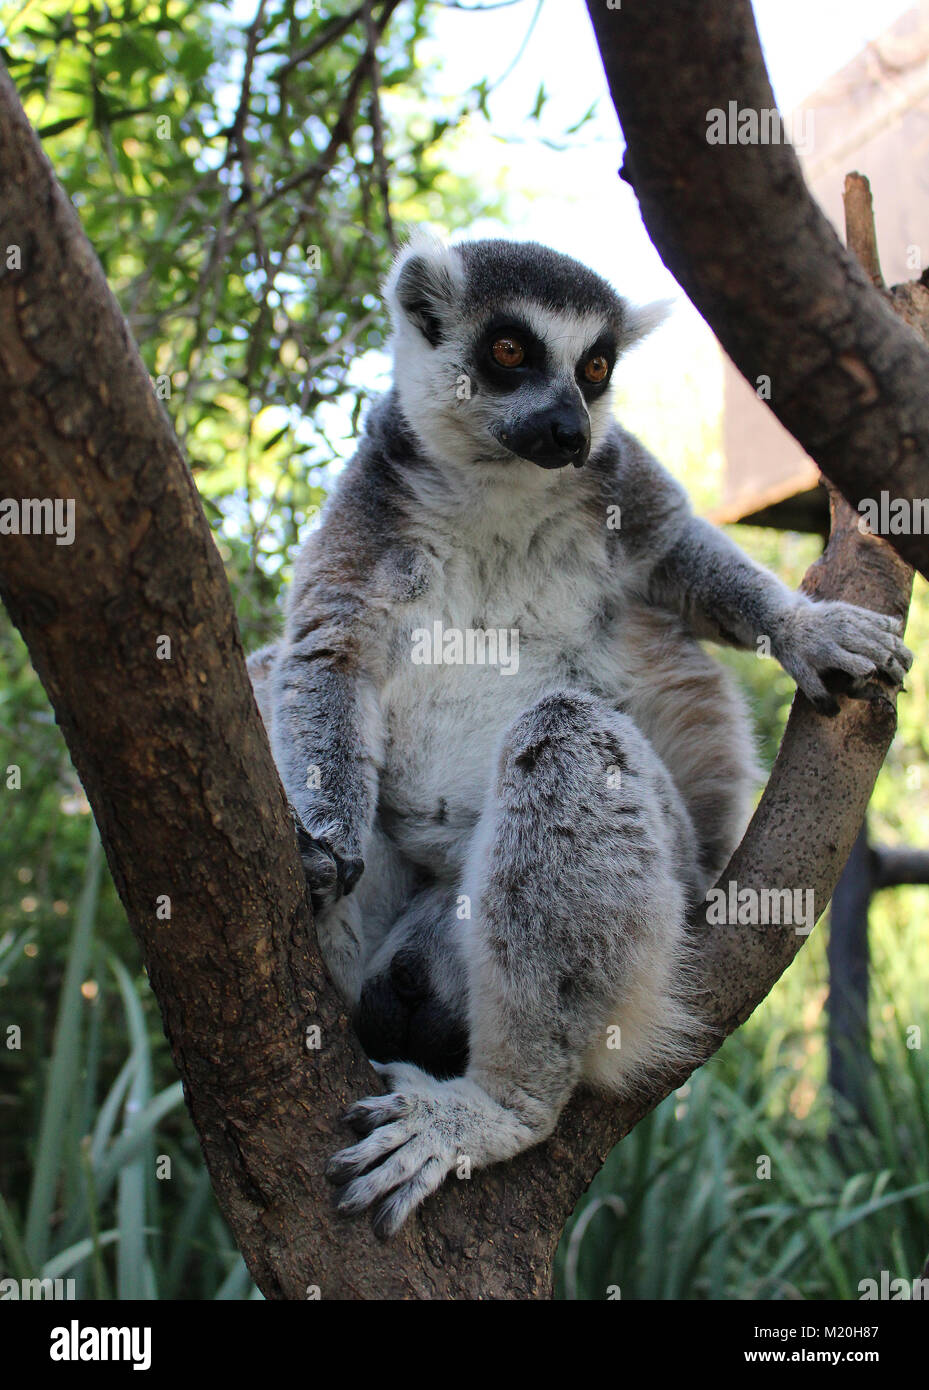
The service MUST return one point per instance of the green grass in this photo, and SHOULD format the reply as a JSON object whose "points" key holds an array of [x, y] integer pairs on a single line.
{"points": [[118, 1198]]}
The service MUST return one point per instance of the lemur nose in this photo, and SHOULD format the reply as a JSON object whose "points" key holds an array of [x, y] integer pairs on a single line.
{"points": [[568, 440]]}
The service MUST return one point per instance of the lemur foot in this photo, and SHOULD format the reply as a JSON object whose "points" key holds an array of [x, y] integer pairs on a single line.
{"points": [[838, 648], [415, 1137]]}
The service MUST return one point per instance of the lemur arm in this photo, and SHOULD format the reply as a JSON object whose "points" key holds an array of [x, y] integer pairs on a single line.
{"points": [[827, 647], [326, 736], [722, 594]]}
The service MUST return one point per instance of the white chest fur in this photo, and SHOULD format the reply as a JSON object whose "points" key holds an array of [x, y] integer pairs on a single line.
{"points": [[512, 610]]}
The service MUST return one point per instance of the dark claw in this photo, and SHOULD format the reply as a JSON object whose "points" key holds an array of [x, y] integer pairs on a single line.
{"points": [[329, 876], [381, 1224], [360, 1121], [351, 871], [336, 1202], [340, 1171]]}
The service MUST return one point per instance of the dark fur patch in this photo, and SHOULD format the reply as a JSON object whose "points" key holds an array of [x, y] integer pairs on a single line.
{"points": [[399, 1020], [499, 271], [528, 758]]}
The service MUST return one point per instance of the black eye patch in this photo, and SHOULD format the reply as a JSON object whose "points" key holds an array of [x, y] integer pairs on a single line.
{"points": [[604, 347], [497, 376]]}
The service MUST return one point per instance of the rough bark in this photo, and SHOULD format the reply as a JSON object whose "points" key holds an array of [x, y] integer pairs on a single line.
{"points": [[177, 768], [737, 227]]}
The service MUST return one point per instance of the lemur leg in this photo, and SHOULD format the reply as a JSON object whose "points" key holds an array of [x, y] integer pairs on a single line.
{"points": [[580, 873]]}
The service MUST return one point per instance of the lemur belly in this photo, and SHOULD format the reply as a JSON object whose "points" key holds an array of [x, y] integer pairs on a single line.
{"points": [[447, 710], [444, 720], [443, 725]]}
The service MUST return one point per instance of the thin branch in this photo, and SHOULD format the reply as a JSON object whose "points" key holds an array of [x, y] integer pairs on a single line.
{"points": [[893, 867], [333, 30], [377, 126], [860, 233], [341, 131]]}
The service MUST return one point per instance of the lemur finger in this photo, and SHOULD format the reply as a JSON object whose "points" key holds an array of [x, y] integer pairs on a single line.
{"points": [[886, 620], [896, 671], [879, 646], [815, 691], [348, 868], [319, 866], [859, 667], [368, 1114], [350, 871], [901, 652], [329, 874], [889, 621], [398, 1205], [398, 1167], [837, 659], [871, 634], [348, 1163]]}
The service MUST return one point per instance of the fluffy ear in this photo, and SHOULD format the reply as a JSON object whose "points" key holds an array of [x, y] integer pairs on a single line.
{"points": [[423, 284], [640, 320]]}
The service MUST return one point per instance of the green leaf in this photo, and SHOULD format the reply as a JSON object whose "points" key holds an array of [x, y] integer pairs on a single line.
{"points": [[587, 116], [540, 100], [63, 1068]]}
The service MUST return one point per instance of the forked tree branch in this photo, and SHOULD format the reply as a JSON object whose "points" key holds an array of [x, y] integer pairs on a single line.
{"points": [[737, 227], [178, 771]]}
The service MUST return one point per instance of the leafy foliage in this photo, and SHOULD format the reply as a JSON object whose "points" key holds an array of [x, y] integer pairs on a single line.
{"points": [[232, 185]]}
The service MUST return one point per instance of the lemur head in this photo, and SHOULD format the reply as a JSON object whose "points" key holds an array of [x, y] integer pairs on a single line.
{"points": [[505, 350]]}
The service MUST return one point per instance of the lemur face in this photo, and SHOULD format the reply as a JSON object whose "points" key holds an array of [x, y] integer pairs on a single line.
{"points": [[504, 351]]}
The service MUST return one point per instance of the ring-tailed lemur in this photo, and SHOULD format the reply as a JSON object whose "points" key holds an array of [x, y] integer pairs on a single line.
{"points": [[502, 856]]}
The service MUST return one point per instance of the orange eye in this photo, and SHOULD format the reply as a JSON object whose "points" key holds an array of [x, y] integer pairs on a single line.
{"points": [[597, 370], [507, 352]]}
